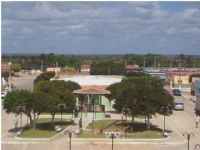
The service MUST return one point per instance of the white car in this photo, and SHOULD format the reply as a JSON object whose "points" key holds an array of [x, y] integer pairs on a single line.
{"points": [[3, 94], [178, 106]]}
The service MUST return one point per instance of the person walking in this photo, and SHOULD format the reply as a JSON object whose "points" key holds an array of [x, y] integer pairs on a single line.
{"points": [[197, 121], [16, 120]]}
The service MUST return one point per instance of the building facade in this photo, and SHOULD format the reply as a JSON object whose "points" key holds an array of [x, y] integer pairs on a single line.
{"points": [[197, 92], [91, 100]]}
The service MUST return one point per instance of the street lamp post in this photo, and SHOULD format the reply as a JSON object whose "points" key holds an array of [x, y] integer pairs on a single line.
{"points": [[126, 111], [92, 98], [188, 137], [70, 133], [20, 109], [197, 145], [164, 109], [112, 136], [61, 106]]}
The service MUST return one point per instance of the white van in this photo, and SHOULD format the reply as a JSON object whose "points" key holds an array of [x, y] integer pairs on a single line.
{"points": [[178, 106]]}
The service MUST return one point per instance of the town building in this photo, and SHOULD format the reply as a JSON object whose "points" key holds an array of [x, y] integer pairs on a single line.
{"points": [[197, 92], [54, 69], [133, 68], [93, 89], [85, 69]]}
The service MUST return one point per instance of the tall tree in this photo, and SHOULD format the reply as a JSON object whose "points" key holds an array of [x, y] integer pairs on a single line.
{"points": [[58, 91], [18, 98], [46, 76], [15, 67], [143, 95], [38, 101]]}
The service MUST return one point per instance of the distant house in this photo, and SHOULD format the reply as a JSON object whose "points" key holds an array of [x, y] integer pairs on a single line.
{"points": [[133, 68], [54, 69], [5, 67], [192, 80], [158, 74], [85, 68]]}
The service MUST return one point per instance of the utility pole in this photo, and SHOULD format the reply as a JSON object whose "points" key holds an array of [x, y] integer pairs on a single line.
{"points": [[179, 68], [154, 61], [144, 62], [170, 62], [56, 64], [109, 70], [42, 65]]}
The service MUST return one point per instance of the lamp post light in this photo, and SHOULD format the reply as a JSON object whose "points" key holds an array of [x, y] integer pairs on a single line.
{"points": [[164, 109], [21, 109], [61, 106], [188, 137], [126, 111], [92, 99], [70, 133], [197, 145], [112, 136]]}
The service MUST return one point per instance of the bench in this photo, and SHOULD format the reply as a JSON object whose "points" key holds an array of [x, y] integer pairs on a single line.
{"points": [[58, 128], [19, 133], [165, 133], [77, 132]]}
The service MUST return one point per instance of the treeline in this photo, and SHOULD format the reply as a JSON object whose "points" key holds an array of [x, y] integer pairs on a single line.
{"points": [[149, 60], [107, 68]]}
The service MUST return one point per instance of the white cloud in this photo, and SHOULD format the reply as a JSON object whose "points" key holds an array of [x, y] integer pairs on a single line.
{"points": [[98, 22]]}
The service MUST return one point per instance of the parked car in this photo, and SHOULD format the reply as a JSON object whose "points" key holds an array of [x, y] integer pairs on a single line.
{"points": [[13, 86], [178, 106], [3, 94], [176, 92]]}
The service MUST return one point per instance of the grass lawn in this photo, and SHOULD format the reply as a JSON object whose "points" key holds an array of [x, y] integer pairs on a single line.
{"points": [[140, 131], [43, 128], [88, 134], [148, 134], [58, 113], [102, 123]]}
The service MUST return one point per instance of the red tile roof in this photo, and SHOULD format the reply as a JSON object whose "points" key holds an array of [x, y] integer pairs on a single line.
{"points": [[132, 67], [85, 66], [5, 67], [94, 90]]}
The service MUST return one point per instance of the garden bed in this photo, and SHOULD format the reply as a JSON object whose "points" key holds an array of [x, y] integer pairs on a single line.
{"points": [[140, 130], [44, 129]]}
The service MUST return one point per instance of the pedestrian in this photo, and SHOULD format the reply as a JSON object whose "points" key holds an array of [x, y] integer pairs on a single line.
{"points": [[16, 120], [197, 120]]}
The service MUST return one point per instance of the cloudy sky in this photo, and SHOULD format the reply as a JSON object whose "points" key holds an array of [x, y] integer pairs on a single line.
{"points": [[101, 27]]}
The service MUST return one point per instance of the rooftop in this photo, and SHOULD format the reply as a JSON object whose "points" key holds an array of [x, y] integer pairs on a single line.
{"points": [[94, 90], [91, 80]]}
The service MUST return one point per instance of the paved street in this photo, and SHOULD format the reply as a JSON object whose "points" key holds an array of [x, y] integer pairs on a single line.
{"points": [[25, 81], [178, 123]]}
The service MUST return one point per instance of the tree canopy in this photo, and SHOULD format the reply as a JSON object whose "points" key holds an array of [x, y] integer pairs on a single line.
{"points": [[58, 91], [46, 76], [16, 98], [15, 67], [142, 95], [45, 97], [107, 68]]}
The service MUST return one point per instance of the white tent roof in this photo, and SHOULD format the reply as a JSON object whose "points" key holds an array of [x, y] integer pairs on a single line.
{"points": [[85, 80]]}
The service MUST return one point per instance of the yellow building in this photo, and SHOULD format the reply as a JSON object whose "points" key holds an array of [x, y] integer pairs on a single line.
{"points": [[181, 79]]}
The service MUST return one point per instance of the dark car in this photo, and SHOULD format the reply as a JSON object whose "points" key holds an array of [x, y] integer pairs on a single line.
{"points": [[176, 92]]}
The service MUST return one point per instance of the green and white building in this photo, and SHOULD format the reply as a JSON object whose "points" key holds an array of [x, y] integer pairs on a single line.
{"points": [[91, 99]]}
